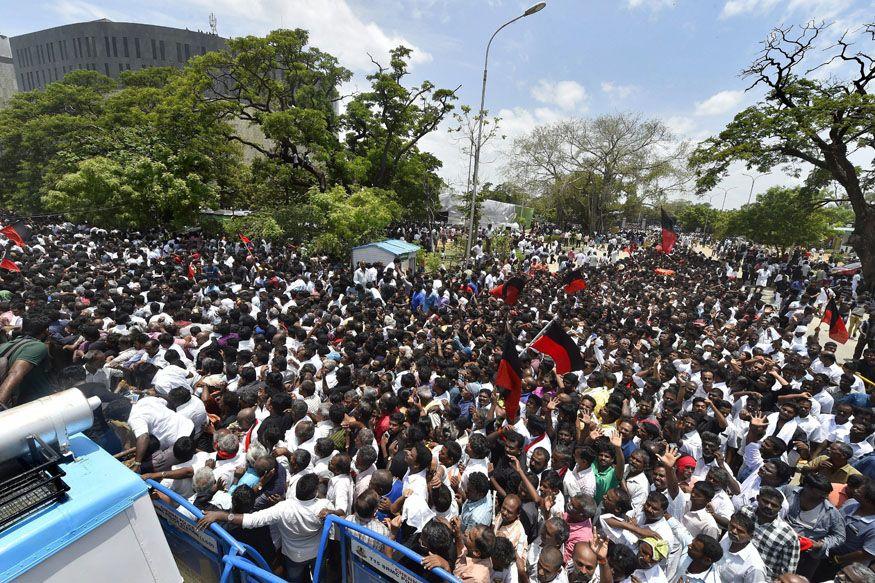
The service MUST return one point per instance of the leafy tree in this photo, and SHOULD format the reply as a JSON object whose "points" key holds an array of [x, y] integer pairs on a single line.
{"points": [[128, 191], [384, 127], [697, 216], [781, 218], [261, 224], [340, 220], [605, 159], [280, 95], [80, 143], [806, 121]]}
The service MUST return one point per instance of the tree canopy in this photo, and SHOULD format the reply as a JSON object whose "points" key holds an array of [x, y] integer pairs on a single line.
{"points": [[807, 122], [600, 162]]}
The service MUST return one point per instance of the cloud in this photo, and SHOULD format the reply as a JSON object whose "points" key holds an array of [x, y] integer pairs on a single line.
{"points": [[653, 5], [720, 103], [821, 9], [619, 91], [334, 27], [77, 10], [565, 94], [737, 7]]}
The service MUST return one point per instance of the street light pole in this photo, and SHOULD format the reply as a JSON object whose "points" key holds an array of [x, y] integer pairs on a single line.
{"points": [[725, 192], [536, 8], [753, 179]]}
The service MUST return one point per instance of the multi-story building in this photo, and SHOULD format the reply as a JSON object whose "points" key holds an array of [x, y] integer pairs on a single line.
{"points": [[7, 71], [42, 57]]}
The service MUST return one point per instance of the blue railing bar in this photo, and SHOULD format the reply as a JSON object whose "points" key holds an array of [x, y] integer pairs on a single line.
{"points": [[252, 569], [215, 528], [332, 519]]}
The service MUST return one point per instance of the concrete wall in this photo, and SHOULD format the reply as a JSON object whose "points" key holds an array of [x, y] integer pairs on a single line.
{"points": [[107, 47], [8, 85]]}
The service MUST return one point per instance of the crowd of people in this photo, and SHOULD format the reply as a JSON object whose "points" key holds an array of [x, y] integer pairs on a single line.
{"points": [[712, 434]]}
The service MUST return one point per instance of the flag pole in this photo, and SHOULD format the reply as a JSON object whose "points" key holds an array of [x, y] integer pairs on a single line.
{"points": [[541, 333]]}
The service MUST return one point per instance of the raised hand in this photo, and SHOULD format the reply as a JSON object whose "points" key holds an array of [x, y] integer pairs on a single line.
{"points": [[670, 457]]}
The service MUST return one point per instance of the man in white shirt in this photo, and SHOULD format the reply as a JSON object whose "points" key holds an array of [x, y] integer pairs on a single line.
{"points": [[156, 428], [299, 521]]}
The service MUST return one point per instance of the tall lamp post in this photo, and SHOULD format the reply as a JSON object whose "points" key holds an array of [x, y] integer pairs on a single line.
{"points": [[753, 179], [536, 8], [725, 192]]}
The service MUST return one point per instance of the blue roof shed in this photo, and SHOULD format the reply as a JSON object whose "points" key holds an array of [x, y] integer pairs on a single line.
{"points": [[386, 252]]}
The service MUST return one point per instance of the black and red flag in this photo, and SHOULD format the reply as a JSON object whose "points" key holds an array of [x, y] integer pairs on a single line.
{"points": [[247, 242], [558, 345], [573, 282], [510, 290], [837, 329], [669, 231], [17, 232], [9, 265], [509, 377]]}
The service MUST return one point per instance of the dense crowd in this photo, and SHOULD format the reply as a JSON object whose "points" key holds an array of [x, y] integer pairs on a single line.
{"points": [[713, 434]]}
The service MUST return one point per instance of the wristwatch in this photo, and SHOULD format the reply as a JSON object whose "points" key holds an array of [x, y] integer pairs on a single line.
{"points": [[230, 517]]}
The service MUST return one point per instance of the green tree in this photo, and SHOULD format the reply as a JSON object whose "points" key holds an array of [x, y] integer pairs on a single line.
{"points": [[697, 216], [604, 159], [129, 191], [137, 135], [383, 127], [341, 220], [781, 218], [805, 120], [279, 96]]}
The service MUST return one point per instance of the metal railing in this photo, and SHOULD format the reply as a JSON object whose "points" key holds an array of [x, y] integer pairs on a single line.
{"points": [[332, 520], [240, 556]]}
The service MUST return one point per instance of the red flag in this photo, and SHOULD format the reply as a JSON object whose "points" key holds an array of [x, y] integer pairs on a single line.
{"points": [[509, 377], [192, 271], [573, 282], [837, 329], [669, 231], [17, 232], [557, 344], [509, 291], [9, 265]]}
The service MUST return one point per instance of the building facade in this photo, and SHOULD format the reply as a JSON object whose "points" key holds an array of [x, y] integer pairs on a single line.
{"points": [[41, 57], [8, 84]]}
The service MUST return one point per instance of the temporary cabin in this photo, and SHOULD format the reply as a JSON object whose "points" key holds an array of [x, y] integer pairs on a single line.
{"points": [[386, 252]]}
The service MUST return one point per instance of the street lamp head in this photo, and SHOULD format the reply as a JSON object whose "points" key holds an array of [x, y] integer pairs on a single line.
{"points": [[536, 8]]}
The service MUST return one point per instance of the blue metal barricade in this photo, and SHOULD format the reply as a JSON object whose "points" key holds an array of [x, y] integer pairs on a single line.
{"points": [[361, 562], [227, 559]]}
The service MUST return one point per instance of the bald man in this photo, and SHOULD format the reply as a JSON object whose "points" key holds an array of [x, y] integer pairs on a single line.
{"points": [[507, 524], [247, 426], [550, 566], [583, 564]]}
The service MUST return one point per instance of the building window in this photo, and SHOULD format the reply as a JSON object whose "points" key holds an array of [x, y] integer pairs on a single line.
{"points": [[125, 47], [106, 45], [161, 44], [178, 52], [154, 50], [114, 48], [87, 47], [187, 52], [56, 74], [137, 47], [106, 66], [203, 50]]}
